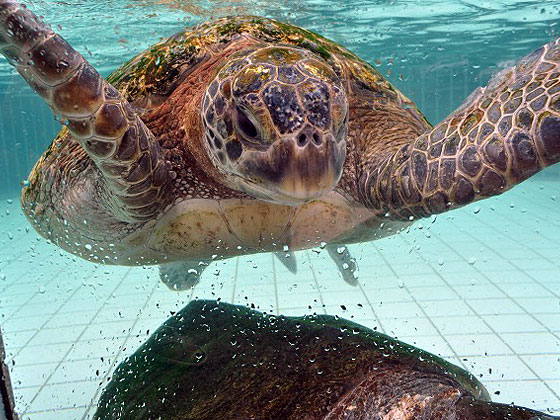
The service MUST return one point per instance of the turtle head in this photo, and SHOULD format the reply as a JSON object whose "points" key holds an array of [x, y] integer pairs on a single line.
{"points": [[276, 121]]}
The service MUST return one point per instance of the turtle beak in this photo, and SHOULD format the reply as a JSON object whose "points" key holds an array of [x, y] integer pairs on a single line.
{"points": [[295, 169]]}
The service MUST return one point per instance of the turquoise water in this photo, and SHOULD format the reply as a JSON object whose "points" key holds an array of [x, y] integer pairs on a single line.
{"points": [[479, 286], [437, 51]]}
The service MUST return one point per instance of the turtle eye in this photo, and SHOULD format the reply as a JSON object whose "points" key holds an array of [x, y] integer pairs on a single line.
{"points": [[246, 125]]}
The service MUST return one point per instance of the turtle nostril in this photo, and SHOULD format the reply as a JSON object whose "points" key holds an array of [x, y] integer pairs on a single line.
{"points": [[302, 140], [317, 139]]}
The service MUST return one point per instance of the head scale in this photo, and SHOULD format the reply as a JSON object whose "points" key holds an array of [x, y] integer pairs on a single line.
{"points": [[276, 121]]}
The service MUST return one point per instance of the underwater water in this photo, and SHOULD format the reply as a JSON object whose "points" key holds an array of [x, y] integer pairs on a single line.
{"points": [[479, 286]]}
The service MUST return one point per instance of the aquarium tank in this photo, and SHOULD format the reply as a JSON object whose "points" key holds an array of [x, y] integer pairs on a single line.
{"points": [[477, 285]]}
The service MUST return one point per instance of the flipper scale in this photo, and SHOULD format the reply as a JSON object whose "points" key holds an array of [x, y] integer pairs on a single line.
{"points": [[500, 136]]}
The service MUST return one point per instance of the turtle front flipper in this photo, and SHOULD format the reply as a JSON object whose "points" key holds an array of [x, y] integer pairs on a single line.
{"points": [[134, 173], [500, 136]]}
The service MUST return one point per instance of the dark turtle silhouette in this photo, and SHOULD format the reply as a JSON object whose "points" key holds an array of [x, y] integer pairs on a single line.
{"points": [[248, 135], [219, 361]]}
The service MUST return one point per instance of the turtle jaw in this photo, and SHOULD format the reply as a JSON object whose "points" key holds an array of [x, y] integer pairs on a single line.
{"points": [[294, 170]]}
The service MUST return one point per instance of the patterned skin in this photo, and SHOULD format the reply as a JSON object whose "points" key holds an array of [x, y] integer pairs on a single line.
{"points": [[246, 135], [276, 121], [500, 136], [219, 361]]}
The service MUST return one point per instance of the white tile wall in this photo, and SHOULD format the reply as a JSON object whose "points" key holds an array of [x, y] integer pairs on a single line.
{"points": [[479, 286]]}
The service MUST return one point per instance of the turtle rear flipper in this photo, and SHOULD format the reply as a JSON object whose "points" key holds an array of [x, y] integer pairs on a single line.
{"points": [[288, 260], [345, 263], [98, 117], [181, 275], [500, 136], [340, 256]]}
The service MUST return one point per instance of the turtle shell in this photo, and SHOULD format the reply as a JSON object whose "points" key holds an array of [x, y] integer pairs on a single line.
{"points": [[156, 72]]}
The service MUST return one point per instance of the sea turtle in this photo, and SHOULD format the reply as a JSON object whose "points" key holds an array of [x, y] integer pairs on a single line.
{"points": [[248, 135], [219, 361]]}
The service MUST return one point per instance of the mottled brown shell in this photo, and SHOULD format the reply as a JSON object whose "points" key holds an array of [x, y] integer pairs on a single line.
{"points": [[157, 71]]}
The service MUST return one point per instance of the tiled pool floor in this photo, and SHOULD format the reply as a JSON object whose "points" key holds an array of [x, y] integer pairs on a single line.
{"points": [[479, 286]]}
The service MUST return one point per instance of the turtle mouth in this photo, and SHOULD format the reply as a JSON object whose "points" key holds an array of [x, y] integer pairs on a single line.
{"points": [[294, 170], [292, 197]]}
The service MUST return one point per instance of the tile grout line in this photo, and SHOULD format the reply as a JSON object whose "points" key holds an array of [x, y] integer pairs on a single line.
{"points": [[521, 269], [126, 338], [366, 297], [37, 332], [121, 347], [74, 341], [421, 308], [316, 282], [513, 300], [50, 316], [496, 333], [275, 284], [554, 263]]}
